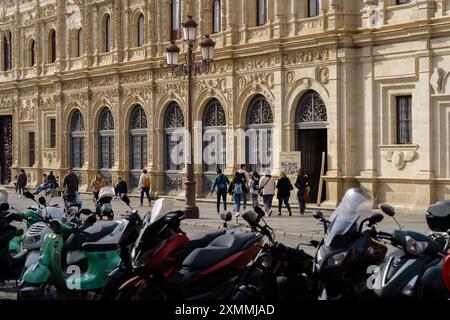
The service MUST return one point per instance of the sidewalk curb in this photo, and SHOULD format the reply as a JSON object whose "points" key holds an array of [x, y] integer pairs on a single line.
{"points": [[277, 233]]}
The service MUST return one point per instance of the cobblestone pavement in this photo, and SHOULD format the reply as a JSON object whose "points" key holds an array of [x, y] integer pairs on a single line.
{"points": [[289, 230]]}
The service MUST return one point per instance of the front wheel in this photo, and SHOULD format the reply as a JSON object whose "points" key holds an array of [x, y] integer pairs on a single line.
{"points": [[29, 291]]}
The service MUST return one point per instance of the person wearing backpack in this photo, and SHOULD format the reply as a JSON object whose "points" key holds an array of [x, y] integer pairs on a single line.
{"points": [[246, 177], [220, 185], [144, 187], [254, 188], [267, 186], [237, 188]]}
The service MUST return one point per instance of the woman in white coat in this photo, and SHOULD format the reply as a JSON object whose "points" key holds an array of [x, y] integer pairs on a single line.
{"points": [[267, 186]]}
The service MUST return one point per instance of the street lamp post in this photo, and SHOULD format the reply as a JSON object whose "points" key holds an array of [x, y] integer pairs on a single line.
{"points": [[188, 70]]}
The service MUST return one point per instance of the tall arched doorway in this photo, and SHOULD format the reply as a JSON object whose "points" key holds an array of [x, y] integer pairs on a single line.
{"points": [[214, 141], [106, 143], [138, 144], [311, 139], [173, 148], [77, 133], [258, 141]]}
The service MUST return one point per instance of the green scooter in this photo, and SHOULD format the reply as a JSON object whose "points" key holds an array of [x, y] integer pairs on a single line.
{"points": [[102, 258], [31, 217]]}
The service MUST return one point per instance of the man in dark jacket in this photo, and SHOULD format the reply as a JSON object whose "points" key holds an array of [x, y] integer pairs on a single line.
{"points": [[21, 182], [220, 185], [71, 181]]}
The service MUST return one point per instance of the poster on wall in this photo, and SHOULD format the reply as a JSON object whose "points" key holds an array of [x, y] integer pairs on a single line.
{"points": [[290, 162]]}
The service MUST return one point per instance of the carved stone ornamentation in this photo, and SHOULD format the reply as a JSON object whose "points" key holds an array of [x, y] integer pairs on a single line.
{"points": [[399, 156], [323, 75], [307, 57]]}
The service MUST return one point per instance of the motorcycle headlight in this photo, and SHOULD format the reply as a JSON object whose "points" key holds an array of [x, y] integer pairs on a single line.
{"points": [[265, 260], [337, 259], [415, 247]]}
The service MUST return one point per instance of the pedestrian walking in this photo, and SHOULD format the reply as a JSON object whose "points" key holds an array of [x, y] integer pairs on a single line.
{"points": [[267, 186], [97, 184], [254, 188], [21, 182], [70, 181], [237, 188], [245, 175], [220, 185], [302, 184], [144, 187], [284, 187], [121, 188]]}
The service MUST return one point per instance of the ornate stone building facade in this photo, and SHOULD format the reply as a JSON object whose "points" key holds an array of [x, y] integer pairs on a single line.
{"points": [[84, 83]]}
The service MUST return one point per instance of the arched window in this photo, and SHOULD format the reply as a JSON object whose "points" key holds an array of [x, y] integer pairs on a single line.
{"points": [[107, 33], [7, 52], [52, 46], [173, 146], [214, 141], [261, 11], [79, 43], [311, 109], [140, 30], [138, 143], [176, 19], [106, 139], [77, 140], [32, 51], [259, 135], [217, 16]]}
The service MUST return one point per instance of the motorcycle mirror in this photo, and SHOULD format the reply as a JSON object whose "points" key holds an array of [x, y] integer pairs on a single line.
{"points": [[251, 217], [376, 218], [42, 201], [28, 195], [314, 243], [318, 215], [126, 199], [91, 219], [4, 206], [86, 212], [226, 216], [387, 209]]}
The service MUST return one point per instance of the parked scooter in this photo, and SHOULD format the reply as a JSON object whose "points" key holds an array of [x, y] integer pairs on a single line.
{"points": [[75, 241], [211, 272], [11, 265], [415, 270], [279, 272], [103, 204], [125, 270], [348, 249], [31, 217]]}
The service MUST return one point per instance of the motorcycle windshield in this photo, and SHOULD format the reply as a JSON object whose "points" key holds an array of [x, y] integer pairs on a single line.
{"points": [[161, 208], [348, 216]]}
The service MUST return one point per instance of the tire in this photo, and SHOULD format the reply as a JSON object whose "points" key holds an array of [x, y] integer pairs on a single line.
{"points": [[38, 292], [152, 293], [109, 290]]}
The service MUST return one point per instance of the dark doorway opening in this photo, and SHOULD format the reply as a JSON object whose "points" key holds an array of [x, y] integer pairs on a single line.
{"points": [[312, 144], [5, 149]]}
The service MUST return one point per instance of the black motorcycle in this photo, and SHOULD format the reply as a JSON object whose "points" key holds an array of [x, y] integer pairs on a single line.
{"points": [[279, 272], [349, 250], [11, 266], [414, 269]]}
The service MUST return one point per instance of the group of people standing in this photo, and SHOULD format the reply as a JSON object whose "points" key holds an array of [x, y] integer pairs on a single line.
{"points": [[244, 184]]}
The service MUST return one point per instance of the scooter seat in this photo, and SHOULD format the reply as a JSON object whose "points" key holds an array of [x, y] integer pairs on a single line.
{"points": [[199, 241], [217, 250], [98, 246], [94, 233]]}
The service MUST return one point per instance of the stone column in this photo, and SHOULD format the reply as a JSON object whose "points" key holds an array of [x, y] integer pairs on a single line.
{"points": [[60, 36], [280, 19], [423, 117], [117, 31], [369, 174]]}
